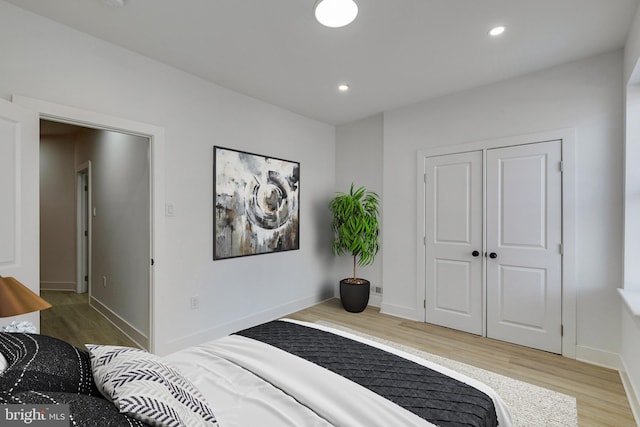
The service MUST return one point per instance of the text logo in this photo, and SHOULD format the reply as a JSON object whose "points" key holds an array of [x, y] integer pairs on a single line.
{"points": [[35, 415]]}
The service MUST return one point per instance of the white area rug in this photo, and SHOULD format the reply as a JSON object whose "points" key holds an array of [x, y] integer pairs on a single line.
{"points": [[530, 405]]}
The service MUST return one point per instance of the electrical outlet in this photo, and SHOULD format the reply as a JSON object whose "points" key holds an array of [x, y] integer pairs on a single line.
{"points": [[195, 302], [169, 209]]}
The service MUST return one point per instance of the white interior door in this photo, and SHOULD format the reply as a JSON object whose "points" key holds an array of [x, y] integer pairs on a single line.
{"points": [[524, 236], [19, 193], [454, 241]]}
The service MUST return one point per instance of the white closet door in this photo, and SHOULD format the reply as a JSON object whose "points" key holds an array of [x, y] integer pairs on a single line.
{"points": [[524, 236], [454, 241], [19, 193]]}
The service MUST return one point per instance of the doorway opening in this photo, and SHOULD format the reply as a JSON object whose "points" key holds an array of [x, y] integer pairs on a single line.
{"points": [[96, 199], [155, 156]]}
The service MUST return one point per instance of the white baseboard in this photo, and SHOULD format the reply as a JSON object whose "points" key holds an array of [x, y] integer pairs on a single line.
{"points": [[632, 396], [400, 311], [612, 361], [122, 325], [375, 300], [598, 357], [58, 286], [219, 331]]}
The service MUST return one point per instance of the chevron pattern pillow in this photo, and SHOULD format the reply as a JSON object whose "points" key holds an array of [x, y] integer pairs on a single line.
{"points": [[142, 386]]}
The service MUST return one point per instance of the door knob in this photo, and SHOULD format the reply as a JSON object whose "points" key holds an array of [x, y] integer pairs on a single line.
{"points": [[493, 255], [475, 253]]}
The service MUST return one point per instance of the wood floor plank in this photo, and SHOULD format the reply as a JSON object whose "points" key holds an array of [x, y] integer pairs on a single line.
{"points": [[599, 393], [72, 319], [600, 396]]}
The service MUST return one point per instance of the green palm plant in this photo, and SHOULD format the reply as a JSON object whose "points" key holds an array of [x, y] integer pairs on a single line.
{"points": [[355, 226]]}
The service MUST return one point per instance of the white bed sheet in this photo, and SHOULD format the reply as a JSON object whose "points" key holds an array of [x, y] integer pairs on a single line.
{"points": [[314, 396], [238, 397]]}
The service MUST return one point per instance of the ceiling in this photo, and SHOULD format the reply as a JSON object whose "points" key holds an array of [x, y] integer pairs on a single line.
{"points": [[395, 53]]}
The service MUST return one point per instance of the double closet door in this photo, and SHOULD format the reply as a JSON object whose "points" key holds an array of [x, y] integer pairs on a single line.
{"points": [[494, 243]]}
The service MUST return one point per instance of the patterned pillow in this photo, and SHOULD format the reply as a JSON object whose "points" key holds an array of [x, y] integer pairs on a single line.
{"points": [[84, 410], [39, 362], [143, 386]]}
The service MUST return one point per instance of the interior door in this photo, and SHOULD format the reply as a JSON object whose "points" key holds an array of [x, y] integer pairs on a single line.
{"points": [[19, 193], [524, 236], [454, 241]]}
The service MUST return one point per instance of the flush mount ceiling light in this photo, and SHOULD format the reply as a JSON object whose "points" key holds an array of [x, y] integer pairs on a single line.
{"points": [[343, 87], [336, 13], [496, 31]]}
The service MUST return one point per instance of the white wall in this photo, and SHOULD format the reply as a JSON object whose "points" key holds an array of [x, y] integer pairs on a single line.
{"points": [[45, 60], [632, 189], [57, 213], [630, 324], [359, 161], [632, 50], [584, 95], [120, 223]]}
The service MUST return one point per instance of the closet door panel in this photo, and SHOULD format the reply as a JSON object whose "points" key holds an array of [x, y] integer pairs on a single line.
{"points": [[453, 232], [524, 236]]}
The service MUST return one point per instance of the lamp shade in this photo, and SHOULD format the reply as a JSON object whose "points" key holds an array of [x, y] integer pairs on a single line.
{"points": [[16, 298]]}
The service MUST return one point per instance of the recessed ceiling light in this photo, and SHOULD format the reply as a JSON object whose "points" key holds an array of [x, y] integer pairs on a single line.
{"points": [[496, 31], [343, 87], [336, 13]]}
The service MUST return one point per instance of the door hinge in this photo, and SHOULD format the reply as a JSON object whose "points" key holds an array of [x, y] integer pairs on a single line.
{"points": [[86, 278], [561, 248], [561, 166], [561, 330], [152, 261], [424, 240], [86, 232], [425, 178], [424, 303]]}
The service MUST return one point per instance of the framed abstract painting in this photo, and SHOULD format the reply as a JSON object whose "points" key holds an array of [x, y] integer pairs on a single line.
{"points": [[257, 204]]}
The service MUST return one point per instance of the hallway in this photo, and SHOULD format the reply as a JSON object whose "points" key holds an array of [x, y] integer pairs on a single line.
{"points": [[72, 319]]}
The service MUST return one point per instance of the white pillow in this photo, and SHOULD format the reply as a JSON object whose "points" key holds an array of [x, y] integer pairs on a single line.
{"points": [[142, 386], [3, 363]]}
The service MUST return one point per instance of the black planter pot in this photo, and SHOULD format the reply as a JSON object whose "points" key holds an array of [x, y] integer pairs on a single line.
{"points": [[354, 297]]}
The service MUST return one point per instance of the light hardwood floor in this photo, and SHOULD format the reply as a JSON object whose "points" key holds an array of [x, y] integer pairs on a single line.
{"points": [[600, 396], [72, 319]]}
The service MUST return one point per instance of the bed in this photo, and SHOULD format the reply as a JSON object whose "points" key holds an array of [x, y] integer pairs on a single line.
{"points": [[281, 373]]}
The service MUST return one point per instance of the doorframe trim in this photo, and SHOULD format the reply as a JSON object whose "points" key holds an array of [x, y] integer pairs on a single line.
{"points": [[569, 291], [156, 135], [82, 169]]}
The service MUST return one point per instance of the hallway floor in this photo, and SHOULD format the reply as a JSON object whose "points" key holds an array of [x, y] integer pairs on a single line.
{"points": [[72, 319]]}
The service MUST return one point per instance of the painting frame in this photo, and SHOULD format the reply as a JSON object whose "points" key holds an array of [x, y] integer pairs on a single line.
{"points": [[256, 204]]}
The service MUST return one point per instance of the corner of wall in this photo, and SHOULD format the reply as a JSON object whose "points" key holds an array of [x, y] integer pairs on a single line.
{"points": [[632, 396], [632, 51]]}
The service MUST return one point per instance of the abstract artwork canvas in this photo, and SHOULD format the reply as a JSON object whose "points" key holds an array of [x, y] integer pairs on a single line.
{"points": [[257, 204]]}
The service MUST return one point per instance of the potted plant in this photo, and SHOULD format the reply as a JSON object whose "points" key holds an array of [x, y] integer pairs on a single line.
{"points": [[355, 231]]}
